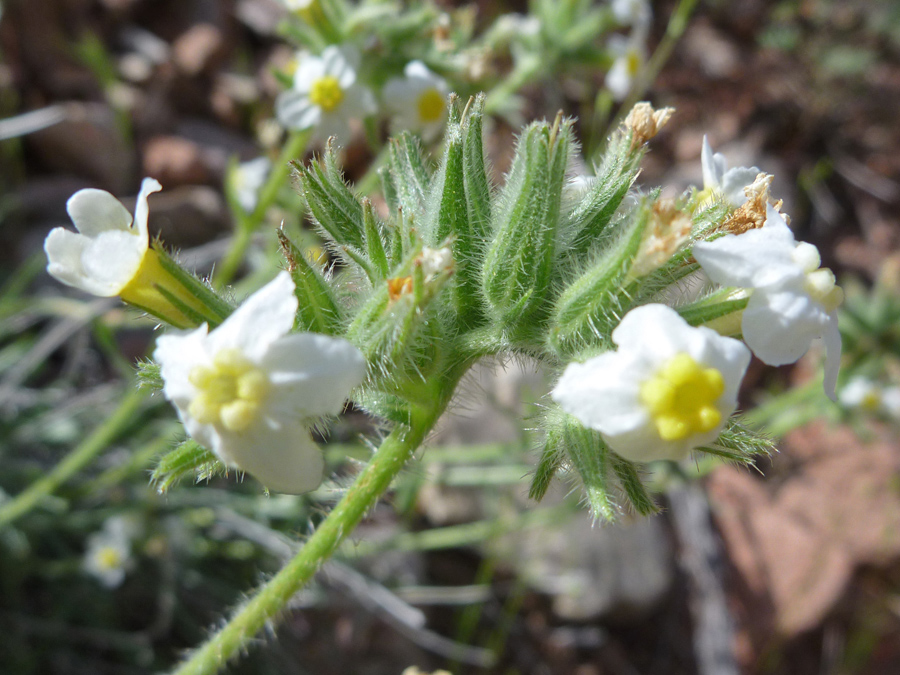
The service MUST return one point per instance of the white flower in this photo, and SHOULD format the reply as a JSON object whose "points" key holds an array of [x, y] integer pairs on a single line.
{"points": [[668, 389], [248, 389], [632, 12], [326, 94], [107, 252], [794, 300], [630, 54], [108, 554], [247, 180], [865, 394], [418, 100], [718, 178]]}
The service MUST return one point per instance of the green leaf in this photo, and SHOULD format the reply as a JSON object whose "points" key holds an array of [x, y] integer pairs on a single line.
{"points": [[318, 310], [374, 242], [591, 306], [333, 206], [189, 458], [520, 258], [409, 171], [588, 221]]}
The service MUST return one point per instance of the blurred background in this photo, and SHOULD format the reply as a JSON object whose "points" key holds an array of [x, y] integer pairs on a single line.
{"points": [[792, 569]]}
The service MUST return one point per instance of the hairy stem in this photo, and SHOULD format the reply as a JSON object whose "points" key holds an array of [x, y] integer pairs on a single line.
{"points": [[77, 459], [271, 599]]}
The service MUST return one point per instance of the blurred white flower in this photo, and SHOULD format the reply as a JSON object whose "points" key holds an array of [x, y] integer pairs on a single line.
{"points": [[248, 389], [110, 247], [669, 388], [418, 100], [718, 178], [247, 180], [108, 554], [326, 95], [630, 54], [794, 300], [632, 12], [864, 394]]}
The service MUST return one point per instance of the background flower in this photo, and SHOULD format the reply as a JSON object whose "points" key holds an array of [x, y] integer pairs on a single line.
{"points": [[418, 100], [326, 94]]}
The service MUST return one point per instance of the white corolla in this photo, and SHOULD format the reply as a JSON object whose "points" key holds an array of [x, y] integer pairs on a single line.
{"points": [[249, 389], [667, 389], [326, 94], [793, 300]]}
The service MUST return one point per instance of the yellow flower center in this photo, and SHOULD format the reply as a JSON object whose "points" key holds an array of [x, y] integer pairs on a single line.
{"points": [[633, 62], [681, 398], [871, 401], [229, 393], [819, 282], [109, 558], [431, 106], [326, 93]]}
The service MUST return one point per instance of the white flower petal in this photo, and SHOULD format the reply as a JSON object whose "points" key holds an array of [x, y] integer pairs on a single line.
{"points": [[64, 249], [309, 70], [283, 457], [177, 355], [111, 259], [831, 336], [656, 332], [260, 320], [890, 402], [295, 111], [753, 259], [311, 374], [94, 211], [735, 180], [602, 393], [142, 211], [713, 165], [780, 325]]}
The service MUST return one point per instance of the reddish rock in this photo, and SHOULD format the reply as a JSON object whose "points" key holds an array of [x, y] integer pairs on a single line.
{"points": [[796, 543]]}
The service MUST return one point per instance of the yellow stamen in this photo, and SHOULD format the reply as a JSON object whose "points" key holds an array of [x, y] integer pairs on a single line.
{"points": [[230, 393], [431, 106], [326, 92], [681, 398], [109, 558]]}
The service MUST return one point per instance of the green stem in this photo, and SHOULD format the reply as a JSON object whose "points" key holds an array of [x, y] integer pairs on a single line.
{"points": [[248, 224], [263, 608], [77, 459]]}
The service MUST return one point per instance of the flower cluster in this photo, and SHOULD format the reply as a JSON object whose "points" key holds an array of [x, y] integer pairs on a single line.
{"points": [[670, 387]]}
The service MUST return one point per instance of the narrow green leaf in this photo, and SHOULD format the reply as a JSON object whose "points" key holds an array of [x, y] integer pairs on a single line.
{"points": [[374, 242], [410, 173], [318, 310], [188, 458]]}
